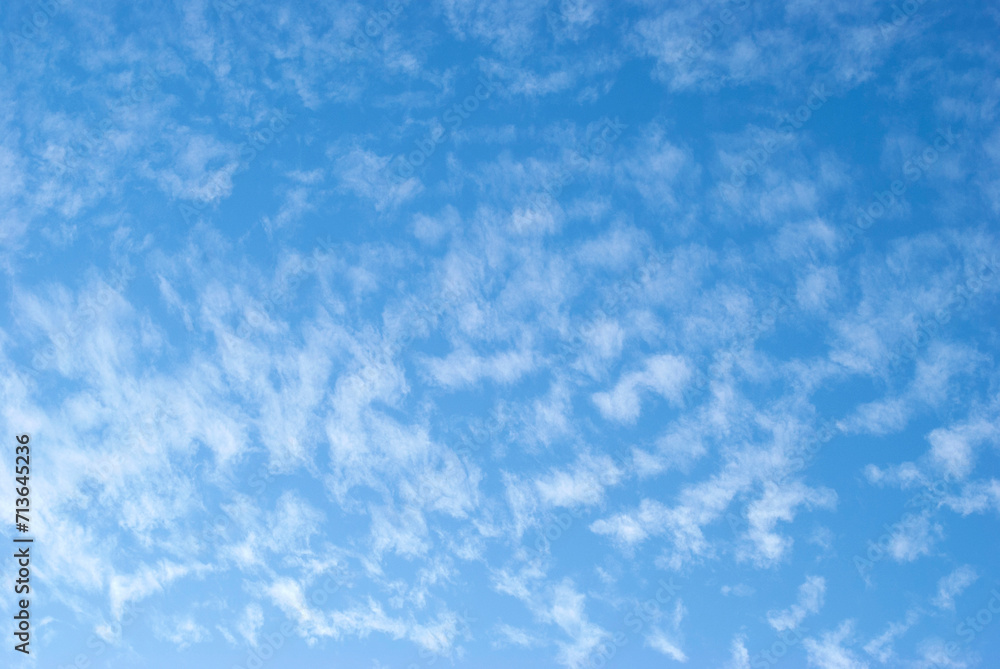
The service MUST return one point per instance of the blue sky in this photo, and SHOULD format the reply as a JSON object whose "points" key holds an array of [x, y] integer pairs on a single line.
{"points": [[542, 334]]}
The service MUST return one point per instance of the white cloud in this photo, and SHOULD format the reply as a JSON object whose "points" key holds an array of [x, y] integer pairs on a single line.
{"points": [[463, 368], [880, 648], [124, 589], [912, 537], [629, 529], [830, 653], [953, 585], [937, 654], [953, 449], [371, 176], [583, 484], [666, 639], [819, 287], [183, 633], [436, 637], [662, 643], [738, 590], [975, 497], [566, 610], [403, 532], [659, 170], [884, 416], [558, 604], [810, 601], [250, 623], [508, 635], [779, 503], [740, 658], [666, 375], [193, 358]]}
